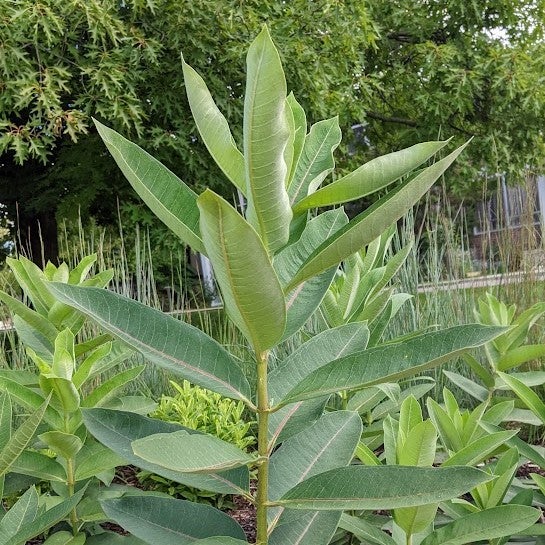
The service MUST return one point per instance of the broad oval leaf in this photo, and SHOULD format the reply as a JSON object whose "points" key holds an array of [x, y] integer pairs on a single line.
{"points": [[170, 343], [118, 429], [316, 160], [168, 521], [172, 201], [307, 528], [321, 349], [489, 524], [95, 458], [391, 362], [266, 135], [386, 487], [368, 225], [219, 541], [190, 453], [213, 128], [372, 176], [35, 464], [255, 302], [328, 443]]}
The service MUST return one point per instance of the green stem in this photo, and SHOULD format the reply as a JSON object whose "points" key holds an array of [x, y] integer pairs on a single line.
{"points": [[409, 540], [262, 448], [71, 480]]}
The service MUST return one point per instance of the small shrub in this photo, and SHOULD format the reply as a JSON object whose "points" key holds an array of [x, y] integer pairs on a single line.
{"points": [[208, 412]]}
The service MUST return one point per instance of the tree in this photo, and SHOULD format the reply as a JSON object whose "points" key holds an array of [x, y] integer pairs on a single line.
{"points": [[403, 70], [64, 62], [464, 69]]}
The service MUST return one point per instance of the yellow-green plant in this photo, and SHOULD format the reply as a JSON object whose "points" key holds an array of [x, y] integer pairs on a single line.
{"points": [[273, 266]]}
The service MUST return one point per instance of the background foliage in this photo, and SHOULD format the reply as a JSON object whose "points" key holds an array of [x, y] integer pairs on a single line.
{"points": [[404, 71]]}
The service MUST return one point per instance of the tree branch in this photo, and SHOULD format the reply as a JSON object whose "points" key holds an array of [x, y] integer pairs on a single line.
{"points": [[387, 119]]}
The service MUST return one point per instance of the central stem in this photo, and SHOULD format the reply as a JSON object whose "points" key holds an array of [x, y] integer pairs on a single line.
{"points": [[262, 448]]}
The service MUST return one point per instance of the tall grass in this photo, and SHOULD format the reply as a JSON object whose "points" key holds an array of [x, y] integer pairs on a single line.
{"points": [[439, 230], [436, 273]]}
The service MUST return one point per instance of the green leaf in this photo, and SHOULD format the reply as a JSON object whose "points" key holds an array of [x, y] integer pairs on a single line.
{"points": [[364, 530], [66, 445], [480, 449], [64, 358], [107, 389], [300, 133], [528, 396], [471, 387], [31, 278], [94, 458], [23, 512], [5, 420], [219, 541], [65, 392], [255, 302], [540, 481], [450, 435], [518, 356], [526, 451], [85, 368], [118, 429], [35, 464], [316, 160], [46, 520], [32, 338], [82, 269], [414, 520], [419, 446], [65, 538], [21, 438], [31, 317], [266, 134], [386, 487], [305, 528], [366, 456], [213, 128], [410, 415], [389, 363], [327, 444], [190, 453], [172, 201], [168, 521], [371, 177], [174, 345], [368, 225], [306, 298], [489, 524], [109, 538], [321, 349]]}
